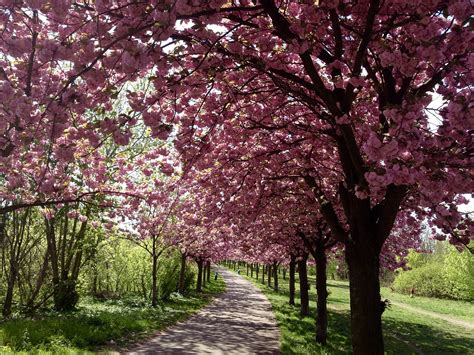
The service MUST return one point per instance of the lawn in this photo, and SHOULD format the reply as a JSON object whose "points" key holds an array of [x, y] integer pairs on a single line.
{"points": [[98, 325], [405, 332], [458, 309]]}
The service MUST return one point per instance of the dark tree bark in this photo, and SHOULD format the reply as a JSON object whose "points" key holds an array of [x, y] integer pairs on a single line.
{"points": [[292, 279], [30, 304], [322, 293], [269, 276], [366, 304], [199, 276], [263, 274], [16, 239], [304, 296], [66, 253], [257, 269], [208, 265], [7, 303], [182, 273], [203, 274], [251, 270], [275, 276]]}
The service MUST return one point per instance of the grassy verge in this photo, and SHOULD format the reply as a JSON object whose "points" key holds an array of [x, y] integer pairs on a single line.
{"points": [[97, 324], [458, 309], [405, 332]]}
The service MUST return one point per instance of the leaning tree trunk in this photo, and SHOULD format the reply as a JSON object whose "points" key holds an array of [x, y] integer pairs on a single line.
{"points": [[7, 304], [199, 277], [322, 294], [30, 304], [366, 305], [304, 296], [291, 280]]}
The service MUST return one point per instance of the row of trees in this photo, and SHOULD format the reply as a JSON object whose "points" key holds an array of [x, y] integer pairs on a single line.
{"points": [[242, 130], [52, 262]]}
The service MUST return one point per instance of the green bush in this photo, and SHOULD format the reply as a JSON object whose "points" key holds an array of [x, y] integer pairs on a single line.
{"points": [[167, 277], [446, 273], [426, 280], [458, 271]]}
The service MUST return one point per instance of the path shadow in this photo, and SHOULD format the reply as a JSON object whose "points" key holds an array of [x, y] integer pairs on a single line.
{"points": [[239, 321]]}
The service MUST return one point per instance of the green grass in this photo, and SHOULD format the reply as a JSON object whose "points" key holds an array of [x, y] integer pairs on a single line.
{"points": [[405, 332], [458, 309], [98, 325]]}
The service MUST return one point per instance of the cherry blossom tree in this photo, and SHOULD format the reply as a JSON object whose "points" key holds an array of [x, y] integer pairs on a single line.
{"points": [[338, 96]]}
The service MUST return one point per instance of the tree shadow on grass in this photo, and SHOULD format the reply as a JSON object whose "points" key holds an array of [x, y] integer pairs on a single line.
{"points": [[429, 339], [338, 285], [401, 337]]}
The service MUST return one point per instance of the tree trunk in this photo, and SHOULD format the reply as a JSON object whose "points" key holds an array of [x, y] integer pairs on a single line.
{"points": [[304, 297], [275, 276], [257, 269], [39, 282], [263, 274], [7, 305], [284, 273], [269, 276], [251, 270], [292, 280], [366, 304], [203, 274], [322, 294], [154, 280], [182, 273], [208, 271], [199, 277]]}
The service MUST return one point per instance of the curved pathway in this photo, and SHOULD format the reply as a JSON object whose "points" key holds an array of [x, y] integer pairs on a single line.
{"points": [[240, 321]]}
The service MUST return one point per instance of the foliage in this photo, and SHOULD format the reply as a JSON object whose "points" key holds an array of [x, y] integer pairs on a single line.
{"points": [[426, 280], [446, 273], [168, 276], [98, 324], [267, 116]]}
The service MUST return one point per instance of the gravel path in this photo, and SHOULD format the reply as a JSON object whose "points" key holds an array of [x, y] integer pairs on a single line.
{"points": [[240, 321]]}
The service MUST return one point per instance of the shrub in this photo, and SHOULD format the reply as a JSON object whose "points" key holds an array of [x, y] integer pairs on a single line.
{"points": [[447, 273], [167, 276], [189, 278], [426, 280], [458, 271]]}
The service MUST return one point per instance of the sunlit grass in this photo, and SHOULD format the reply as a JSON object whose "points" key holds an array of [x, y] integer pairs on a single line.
{"points": [[97, 324], [405, 332], [459, 309]]}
